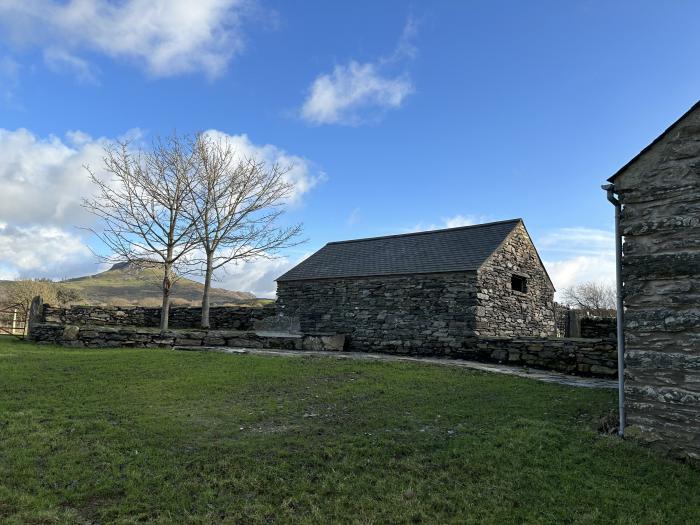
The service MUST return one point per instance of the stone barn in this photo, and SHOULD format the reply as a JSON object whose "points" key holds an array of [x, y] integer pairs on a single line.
{"points": [[659, 191], [423, 291]]}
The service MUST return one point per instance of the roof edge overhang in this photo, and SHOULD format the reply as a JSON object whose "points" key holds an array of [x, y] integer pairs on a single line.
{"points": [[434, 272], [654, 142]]}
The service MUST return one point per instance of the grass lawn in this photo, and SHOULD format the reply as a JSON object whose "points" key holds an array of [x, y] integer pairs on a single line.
{"points": [[159, 436]]}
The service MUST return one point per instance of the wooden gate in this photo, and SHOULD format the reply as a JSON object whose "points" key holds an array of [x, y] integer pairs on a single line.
{"points": [[13, 320]]}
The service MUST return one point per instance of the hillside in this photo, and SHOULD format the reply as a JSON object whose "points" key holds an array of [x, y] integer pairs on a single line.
{"points": [[125, 285]]}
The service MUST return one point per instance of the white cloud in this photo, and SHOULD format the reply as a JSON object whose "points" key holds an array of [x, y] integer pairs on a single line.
{"points": [[43, 182], [359, 92], [257, 276], [166, 37], [299, 170], [43, 179], [450, 222], [577, 255], [342, 96], [43, 251], [459, 220]]}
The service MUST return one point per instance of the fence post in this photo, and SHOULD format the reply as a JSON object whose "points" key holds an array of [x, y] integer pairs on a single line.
{"points": [[35, 315], [574, 323]]}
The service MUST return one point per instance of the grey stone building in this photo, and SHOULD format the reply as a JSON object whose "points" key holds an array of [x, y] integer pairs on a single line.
{"points": [[426, 290], [659, 191]]}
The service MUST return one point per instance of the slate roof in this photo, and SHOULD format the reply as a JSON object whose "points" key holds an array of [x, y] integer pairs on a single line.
{"points": [[449, 250]]}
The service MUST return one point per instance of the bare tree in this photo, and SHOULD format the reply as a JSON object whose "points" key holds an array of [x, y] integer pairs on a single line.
{"points": [[591, 295], [236, 204], [143, 208], [23, 291]]}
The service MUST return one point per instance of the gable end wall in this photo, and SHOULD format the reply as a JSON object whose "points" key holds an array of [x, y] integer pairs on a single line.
{"points": [[502, 311], [660, 194]]}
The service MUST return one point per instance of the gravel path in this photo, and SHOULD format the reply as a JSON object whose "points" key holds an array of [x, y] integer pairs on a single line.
{"points": [[530, 373]]}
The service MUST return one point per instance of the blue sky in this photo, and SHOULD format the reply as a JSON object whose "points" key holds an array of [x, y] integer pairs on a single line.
{"points": [[397, 115]]}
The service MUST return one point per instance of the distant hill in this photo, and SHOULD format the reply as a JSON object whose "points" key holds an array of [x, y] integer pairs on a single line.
{"points": [[124, 285]]}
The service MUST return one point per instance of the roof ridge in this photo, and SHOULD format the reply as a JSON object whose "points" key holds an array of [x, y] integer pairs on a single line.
{"points": [[426, 232]]}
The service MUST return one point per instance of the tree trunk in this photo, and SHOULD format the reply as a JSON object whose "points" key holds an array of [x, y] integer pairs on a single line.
{"points": [[207, 287], [165, 309]]}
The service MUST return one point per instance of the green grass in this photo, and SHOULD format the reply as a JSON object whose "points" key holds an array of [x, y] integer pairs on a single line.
{"points": [[159, 436]]}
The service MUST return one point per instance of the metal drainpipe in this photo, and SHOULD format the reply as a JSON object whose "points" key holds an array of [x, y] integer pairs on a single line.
{"points": [[610, 189]]}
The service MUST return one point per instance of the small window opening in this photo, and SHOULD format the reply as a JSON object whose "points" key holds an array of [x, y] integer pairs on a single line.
{"points": [[518, 283]]}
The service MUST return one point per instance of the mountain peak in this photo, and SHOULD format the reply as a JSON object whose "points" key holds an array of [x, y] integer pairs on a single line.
{"points": [[126, 265]]}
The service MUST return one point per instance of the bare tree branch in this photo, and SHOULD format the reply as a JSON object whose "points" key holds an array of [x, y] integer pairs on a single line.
{"points": [[594, 296], [236, 204], [145, 208]]}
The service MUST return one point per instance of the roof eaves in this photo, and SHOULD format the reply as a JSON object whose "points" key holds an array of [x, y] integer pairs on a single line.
{"points": [[364, 276]]}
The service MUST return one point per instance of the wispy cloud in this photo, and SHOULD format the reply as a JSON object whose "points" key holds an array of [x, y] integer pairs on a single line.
{"points": [[578, 241], [166, 38], [9, 79], [60, 61], [577, 255], [360, 92], [454, 221], [354, 217]]}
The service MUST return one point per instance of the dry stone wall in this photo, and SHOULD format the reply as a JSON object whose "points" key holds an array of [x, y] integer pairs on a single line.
{"points": [[502, 311], [594, 327], [660, 194], [596, 357], [101, 336], [389, 313], [220, 317]]}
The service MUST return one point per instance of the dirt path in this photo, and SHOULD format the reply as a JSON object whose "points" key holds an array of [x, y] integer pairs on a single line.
{"points": [[530, 373]]}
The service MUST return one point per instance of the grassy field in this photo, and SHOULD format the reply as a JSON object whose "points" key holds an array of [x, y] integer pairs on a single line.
{"points": [[159, 436]]}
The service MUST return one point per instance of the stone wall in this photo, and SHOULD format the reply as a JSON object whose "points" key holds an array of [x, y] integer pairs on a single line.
{"points": [[598, 327], [597, 357], [430, 311], [220, 317], [660, 194], [502, 311], [101, 336], [561, 320], [594, 357]]}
